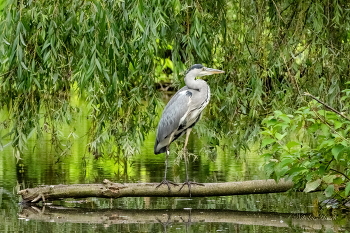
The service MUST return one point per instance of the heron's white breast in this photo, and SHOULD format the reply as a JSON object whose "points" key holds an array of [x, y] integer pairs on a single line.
{"points": [[192, 115]]}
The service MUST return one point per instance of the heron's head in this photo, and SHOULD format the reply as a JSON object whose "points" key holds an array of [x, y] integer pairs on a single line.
{"points": [[198, 70]]}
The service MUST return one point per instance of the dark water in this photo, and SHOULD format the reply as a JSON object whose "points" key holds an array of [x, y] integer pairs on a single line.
{"points": [[294, 212]]}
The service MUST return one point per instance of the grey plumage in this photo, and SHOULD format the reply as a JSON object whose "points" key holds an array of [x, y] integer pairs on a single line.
{"points": [[184, 108], [170, 120], [182, 112]]}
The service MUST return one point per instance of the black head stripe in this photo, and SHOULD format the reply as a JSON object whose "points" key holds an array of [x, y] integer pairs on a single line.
{"points": [[195, 66]]}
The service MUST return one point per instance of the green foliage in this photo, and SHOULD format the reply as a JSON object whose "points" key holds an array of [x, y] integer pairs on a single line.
{"points": [[311, 147], [110, 54], [272, 51], [104, 52]]}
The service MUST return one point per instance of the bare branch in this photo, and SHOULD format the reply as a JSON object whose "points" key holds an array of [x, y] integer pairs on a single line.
{"points": [[327, 106]]}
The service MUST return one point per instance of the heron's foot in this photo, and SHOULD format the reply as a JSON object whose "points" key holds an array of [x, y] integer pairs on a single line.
{"points": [[167, 183], [189, 183]]}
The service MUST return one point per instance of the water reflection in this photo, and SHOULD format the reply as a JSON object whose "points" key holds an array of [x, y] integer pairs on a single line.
{"points": [[247, 213], [172, 218]]}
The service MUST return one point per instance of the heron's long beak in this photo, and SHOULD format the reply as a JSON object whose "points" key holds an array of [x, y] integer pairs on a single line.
{"points": [[213, 71]]}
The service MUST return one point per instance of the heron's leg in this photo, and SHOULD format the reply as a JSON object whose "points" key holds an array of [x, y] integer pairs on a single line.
{"points": [[186, 164], [165, 181], [188, 131], [166, 162]]}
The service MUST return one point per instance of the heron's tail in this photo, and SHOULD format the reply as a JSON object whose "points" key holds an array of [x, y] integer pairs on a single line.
{"points": [[158, 150]]}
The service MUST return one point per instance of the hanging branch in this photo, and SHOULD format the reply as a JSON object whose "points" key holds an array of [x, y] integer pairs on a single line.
{"points": [[109, 189], [327, 106]]}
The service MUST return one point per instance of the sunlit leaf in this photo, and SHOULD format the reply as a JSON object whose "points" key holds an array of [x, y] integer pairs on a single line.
{"points": [[292, 144], [347, 189], [336, 150], [267, 141], [329, 178], [337, 124], [285, 118], [325, 129], [286, 162], [279, 136], [313, 185], [329, 191]]}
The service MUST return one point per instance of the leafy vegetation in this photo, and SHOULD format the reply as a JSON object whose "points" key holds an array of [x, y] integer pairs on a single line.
{"points": [[311, 147], [109, 55], [102, 52], [273, 51]]}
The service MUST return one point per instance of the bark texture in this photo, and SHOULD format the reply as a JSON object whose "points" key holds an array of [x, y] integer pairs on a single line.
{"points": [[109, 189]]}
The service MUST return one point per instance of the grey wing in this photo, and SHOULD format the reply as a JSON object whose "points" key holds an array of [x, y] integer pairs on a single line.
{"points": [[176, 109]]}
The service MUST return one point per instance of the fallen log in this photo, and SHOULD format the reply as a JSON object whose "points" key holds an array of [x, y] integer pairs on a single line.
{"points": [[109, 189]]}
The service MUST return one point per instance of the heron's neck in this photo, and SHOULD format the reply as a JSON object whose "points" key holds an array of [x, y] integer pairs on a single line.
{"points": [[198, 84]]}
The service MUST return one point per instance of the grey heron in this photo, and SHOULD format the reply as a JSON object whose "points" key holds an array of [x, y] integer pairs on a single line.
{"points": [[181, 113]]}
